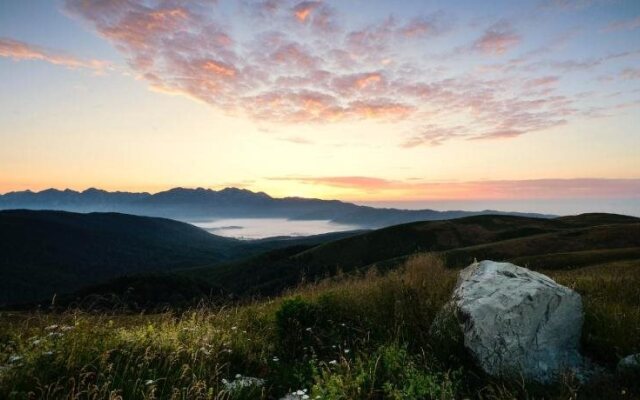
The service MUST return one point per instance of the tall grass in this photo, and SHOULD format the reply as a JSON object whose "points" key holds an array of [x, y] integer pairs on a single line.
{"points": [[348, 337]]}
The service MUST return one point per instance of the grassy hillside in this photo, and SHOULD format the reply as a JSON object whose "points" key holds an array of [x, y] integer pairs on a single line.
{"points": [[460, 241], [47, 252], [350, 337]]}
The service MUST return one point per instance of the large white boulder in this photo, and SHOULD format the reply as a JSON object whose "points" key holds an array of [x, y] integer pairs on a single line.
{"points": [[518, 323]]}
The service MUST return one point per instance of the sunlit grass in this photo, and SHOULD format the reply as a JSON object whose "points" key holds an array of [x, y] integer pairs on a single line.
{"points": [[350, 337]]}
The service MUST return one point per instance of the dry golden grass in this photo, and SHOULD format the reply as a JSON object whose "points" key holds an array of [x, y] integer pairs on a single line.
{"points": [[367, 337]]}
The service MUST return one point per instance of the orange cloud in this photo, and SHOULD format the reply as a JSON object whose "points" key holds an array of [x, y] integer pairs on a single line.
{"points": [[323, 72], [219, 68], [380, 109], [21, 51], [303, 10], [490, 189]]}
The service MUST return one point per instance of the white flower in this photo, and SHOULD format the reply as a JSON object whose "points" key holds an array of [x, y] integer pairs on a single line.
{"points": [[346, 351], [276, 359], [333, 362], [14, 358], [67, 328], [51, 327], [241, 382], [148, 382], [233, 328], [308, 329]]}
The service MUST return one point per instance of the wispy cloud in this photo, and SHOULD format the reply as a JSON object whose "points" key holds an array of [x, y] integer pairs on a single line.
{"points": [[497, 39], [630, 73], [22, 51], [623, 25], [489, 189], [297, 62]]}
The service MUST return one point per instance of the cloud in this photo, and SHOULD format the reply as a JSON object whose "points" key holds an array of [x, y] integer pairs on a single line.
{"points": [[623, 25], [303, 10], [430, 25], [630, 73], [544, 81], [434, 135], [296, 140], [21, 51], [488, 189], [298, 62], [497, 39]]}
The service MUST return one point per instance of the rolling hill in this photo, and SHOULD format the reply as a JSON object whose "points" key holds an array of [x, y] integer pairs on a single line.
{"points": [[561, 242], [47, 252]]}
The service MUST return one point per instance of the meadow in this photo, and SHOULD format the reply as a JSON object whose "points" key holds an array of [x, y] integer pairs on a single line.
{"points": [[354, 336]]}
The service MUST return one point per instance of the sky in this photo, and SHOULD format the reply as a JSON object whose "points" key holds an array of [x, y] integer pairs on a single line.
{"points": [[360, 100]]}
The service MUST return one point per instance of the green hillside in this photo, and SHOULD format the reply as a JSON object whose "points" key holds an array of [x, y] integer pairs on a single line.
{"points": [[459, 240]]}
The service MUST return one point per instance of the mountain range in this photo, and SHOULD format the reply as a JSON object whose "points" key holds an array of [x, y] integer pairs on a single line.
{"points": [[197, 204]]}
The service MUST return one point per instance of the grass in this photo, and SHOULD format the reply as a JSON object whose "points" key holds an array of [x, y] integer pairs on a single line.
{"points": [[348, 337]]}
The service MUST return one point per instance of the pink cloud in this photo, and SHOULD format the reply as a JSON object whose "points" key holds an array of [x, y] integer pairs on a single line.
{"points": [[623, 25], [630, 73], [497, 39], [303, 10], [21, 51], [431, 25], [488, 189], [289, 68], [543, 81]]}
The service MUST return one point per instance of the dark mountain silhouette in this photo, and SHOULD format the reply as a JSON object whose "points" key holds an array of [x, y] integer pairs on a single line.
{"points": [[194, 204]]}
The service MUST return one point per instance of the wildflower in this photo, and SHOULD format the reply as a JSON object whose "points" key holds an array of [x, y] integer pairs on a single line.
{"points": [[308, 329], [67, 328], [276, 359], [149, 382], [233, 328], [333, 362], [51, 327], [14, 358], [346, 351], [241, 382]]}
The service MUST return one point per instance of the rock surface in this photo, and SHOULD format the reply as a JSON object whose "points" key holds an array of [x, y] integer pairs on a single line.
{"points": [[630, 364], [518, 323]]}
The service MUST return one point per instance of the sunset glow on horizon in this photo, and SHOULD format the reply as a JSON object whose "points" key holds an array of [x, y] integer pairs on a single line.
{"points": [[353, 100]]}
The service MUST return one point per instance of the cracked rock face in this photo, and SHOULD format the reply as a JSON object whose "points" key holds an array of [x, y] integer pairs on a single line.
{"points": [[517, 322]]}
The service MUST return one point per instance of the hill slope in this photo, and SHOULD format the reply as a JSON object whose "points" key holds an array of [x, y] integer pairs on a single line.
{"points": [[47, 252], [460, 240]]}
